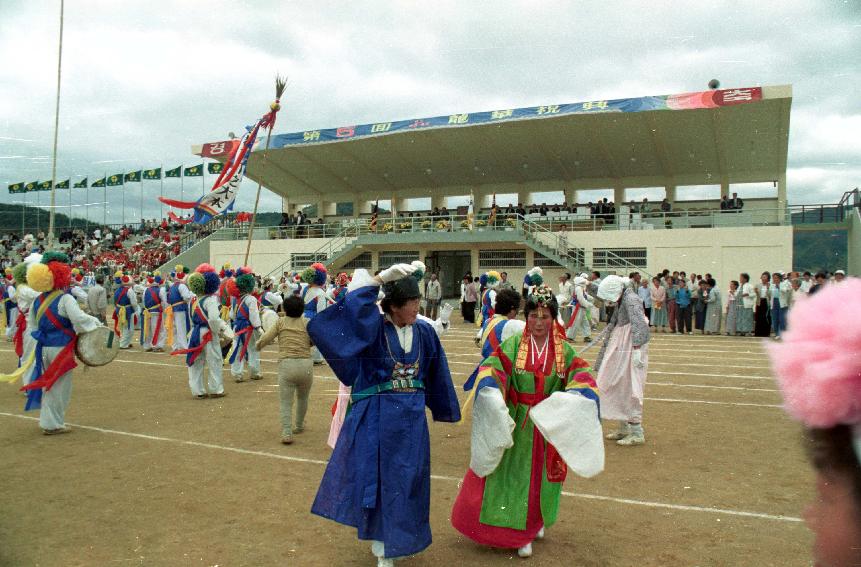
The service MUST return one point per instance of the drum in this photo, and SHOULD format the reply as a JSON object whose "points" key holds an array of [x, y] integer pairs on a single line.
{"points": [[97, 347], [225, 340], [268, 319]]}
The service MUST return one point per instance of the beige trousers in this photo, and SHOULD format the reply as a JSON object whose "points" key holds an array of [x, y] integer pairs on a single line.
{"points": [[294, 381]]}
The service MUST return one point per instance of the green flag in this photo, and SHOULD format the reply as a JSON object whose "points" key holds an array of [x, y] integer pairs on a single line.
{"points": [[63, 184], [133, 176], [193, 171], [32, 186], [99, 182], [152, 173], [44, 186], [215, 168], [17, 187], [175, 172], [82, 184], [115, 180]]}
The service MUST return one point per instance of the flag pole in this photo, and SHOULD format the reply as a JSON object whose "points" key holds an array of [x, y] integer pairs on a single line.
{"points": [[105, 200], [87, 212], [124, 201], [56, 133], [280, 85], [141, 182], [70, 204]]}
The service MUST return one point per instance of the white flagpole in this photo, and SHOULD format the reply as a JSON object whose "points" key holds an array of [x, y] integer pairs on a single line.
{"points": [[70, 203], [56, 133], [141, 182], [181, 184], [124, 199], [87, 213], [105, 199]]}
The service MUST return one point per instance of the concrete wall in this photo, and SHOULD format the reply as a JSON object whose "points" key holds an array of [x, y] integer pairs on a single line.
{"points": [[723, 252], [854, 268]]}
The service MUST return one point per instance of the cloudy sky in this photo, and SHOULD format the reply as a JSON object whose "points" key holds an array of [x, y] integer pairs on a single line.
{"points": [[143, 81]]}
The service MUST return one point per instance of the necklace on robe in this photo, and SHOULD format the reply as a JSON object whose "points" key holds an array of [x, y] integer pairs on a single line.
{"points": [[539, 355]]}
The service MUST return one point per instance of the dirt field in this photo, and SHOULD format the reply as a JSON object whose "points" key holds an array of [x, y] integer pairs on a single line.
{"points": [[151, 476]]}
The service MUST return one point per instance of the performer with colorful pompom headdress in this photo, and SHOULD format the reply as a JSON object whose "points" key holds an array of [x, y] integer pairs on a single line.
{"points": [[314, 295], [77, 287], [246, 327], [125, 309], [176, 315], [153, 331], [204, 343], [490, 281], [227, 292], [57, 319], [396, 367]]}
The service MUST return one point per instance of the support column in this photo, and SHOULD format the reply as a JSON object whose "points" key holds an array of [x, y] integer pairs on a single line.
{"points": [[358, 205], [724, 189], [437, 201], [570, 196], [781, 197], [618, 195], [523, 197], [671, 193]]}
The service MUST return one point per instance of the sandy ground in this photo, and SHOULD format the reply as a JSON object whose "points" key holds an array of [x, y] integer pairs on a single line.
{"points": [[150, 476]]}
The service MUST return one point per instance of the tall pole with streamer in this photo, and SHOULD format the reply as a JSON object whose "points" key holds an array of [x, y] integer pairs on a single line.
{"points": [[56, 133], [280, 85]]}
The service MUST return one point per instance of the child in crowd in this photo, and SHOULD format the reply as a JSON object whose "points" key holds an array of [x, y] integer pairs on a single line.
{"points": [[731, 308], [819, 371]]}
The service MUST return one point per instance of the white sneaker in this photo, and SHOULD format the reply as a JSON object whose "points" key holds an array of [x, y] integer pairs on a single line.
{"points": [[525, 551], [540, 534], [635, 437], [383, 562], [620, 433]]}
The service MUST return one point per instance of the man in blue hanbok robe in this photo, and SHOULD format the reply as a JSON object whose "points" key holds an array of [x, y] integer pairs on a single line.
{"points": [[378, 479]]}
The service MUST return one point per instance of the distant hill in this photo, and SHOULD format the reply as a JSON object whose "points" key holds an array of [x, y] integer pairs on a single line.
{"points": [[34, 218], [817, 251]]}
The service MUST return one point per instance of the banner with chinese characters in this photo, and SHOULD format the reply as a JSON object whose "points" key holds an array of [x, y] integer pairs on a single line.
{"points": [[686, 101]]}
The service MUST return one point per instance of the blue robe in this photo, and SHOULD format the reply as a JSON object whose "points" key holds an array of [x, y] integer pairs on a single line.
{"points": [[378, 479]]}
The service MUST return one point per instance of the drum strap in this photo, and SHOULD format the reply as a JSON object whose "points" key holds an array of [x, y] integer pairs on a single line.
{"points": [[64, 361]]}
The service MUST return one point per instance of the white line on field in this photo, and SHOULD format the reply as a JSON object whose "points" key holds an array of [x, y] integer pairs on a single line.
{"points": [[680, 507], [746, 367], [748, 404], [682, 373], [673, 384]]}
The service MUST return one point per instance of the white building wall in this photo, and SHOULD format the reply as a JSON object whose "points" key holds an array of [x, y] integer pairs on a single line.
{"points": [[723, 252]]}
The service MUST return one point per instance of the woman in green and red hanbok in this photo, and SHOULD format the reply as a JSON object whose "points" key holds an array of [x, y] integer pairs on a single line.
{"points": [[535, 415]]}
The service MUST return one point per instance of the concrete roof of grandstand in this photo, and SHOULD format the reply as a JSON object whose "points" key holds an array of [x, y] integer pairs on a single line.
{"points": [[729, 136]]}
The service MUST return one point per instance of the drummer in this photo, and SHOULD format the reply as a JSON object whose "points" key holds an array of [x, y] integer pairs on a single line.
{"points": [[153, 332], [58, 320], [77, 288]]}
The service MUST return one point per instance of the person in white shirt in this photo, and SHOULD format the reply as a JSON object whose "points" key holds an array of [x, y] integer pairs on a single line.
{"points": [[433, 296], [10, 305], [745, 302], [564, 298], [779, 295], [580, 319], [806, 282]]}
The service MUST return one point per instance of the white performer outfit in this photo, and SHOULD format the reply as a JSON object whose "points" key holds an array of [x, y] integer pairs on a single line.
{"points": [[622, 362], [246, 326], [315, 302], [178, 298], [582, 306], [26, 296], [128, 302]]}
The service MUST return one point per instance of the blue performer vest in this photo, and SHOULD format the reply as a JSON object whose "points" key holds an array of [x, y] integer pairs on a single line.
{"points": [[310, 306], [47, 334], [152, 299], [122, 301], [174, 298]]}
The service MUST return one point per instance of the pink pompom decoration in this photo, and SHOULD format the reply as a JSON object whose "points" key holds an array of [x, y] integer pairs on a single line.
{"points": [[203, 268], [818, 362]]}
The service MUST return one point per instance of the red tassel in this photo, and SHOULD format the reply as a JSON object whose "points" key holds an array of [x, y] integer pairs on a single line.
{"points": [[178, 204]]}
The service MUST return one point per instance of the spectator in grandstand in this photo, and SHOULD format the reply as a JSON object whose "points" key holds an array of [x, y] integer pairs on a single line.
{"points": [[645, 208], [666, 207], [725, 204], [736, 203], [745, 302], [839, 276]]}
